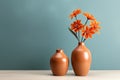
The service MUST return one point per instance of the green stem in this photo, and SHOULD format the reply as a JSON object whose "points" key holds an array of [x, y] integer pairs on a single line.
{"points": [[84, 40], [76, 17], [75, 34], [83, 28], [79, 35], [86, 22]]}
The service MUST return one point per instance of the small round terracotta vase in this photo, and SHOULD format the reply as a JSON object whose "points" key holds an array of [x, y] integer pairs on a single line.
{"points": [[59, 63], [81, 60]]}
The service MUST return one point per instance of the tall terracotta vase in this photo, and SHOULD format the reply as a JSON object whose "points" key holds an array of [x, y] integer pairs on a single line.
{"points": [[59, 63], [81, 60]]}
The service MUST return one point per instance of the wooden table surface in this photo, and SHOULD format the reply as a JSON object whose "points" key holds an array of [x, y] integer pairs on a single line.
{"points": [[47, 75]]}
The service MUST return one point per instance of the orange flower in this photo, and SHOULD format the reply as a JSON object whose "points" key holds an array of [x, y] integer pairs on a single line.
{"points": [[76, 25], [75, 13], [95, 25], [88, 32], [89, 16]]}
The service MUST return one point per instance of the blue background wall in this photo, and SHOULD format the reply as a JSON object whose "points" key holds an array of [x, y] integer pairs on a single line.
{"points": [[31, 31]]}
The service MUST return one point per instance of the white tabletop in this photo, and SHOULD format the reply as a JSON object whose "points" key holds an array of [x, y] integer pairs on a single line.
{"points": [[47, 75]]}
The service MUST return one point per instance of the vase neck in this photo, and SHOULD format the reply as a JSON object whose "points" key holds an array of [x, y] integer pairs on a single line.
{"points": [[81, 43]]}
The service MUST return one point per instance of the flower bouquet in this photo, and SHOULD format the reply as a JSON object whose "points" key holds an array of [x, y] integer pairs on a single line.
{"points": [[81, 56]]}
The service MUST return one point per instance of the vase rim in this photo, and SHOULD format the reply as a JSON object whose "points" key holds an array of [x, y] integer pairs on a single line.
{"points": [[59, 50], [80, 43]]}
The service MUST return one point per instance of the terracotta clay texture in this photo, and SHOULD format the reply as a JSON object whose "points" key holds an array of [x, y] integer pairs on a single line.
{"points": [[59, 63], [81, 60]]}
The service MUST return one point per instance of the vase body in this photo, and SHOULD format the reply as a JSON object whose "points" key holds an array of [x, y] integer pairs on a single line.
{"points": [[81, 60], [59, 63]]}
